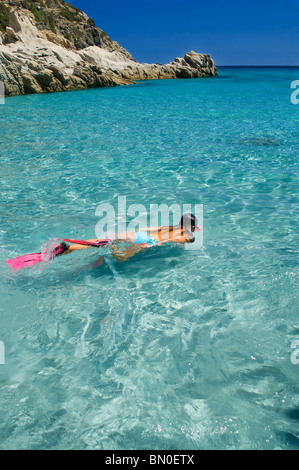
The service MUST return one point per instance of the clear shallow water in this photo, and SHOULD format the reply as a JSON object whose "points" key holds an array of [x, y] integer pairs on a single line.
{"points": [[173, 349]]}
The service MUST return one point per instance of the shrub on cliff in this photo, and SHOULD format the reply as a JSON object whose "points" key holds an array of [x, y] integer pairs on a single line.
{"points": [[70, 15], [4, 18]]}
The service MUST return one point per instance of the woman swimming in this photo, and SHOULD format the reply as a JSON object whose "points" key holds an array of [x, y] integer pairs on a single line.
{"points": [[149, 236]]}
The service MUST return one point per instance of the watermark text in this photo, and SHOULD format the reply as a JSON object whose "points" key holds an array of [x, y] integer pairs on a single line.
{"points": [[2, 93], [295, 94], [295, 355], [2, 353]]}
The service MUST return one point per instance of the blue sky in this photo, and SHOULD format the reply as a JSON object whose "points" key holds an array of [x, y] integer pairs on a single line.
{"points": [[234, 32]]}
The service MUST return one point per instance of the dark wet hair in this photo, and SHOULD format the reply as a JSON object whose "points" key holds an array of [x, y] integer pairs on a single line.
{"points": [[189, 222]]}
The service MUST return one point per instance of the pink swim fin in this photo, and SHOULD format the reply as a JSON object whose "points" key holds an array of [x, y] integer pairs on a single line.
{"points": [[26, 261]]}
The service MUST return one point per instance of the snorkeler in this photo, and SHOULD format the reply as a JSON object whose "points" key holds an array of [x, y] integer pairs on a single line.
{"points": [[138, 241], [149, 236]]}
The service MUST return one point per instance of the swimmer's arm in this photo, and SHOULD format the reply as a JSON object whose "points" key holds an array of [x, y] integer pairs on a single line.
{"points": [[183, 239], [149, 229], [179, 239]]}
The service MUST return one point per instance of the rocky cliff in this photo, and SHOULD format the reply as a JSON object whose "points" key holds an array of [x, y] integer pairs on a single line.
{"points": [[48, 45]]}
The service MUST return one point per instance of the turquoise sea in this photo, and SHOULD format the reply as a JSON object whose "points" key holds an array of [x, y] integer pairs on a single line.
{"points": [[173, 349]]}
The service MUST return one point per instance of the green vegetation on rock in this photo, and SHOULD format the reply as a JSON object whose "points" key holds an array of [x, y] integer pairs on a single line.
{"points": [[70, 15], [4, 18]]}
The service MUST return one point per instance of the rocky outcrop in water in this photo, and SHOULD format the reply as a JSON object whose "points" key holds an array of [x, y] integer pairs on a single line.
{"points": [[48, 45]]}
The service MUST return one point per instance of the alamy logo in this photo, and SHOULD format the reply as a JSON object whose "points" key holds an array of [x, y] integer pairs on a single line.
{"points": [[2, 353], [295, 94], [2, 93], [295, 355]]}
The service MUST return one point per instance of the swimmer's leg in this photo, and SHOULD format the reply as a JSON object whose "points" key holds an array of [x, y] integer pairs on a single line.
{"points": [[94, 265], [129, 252]]}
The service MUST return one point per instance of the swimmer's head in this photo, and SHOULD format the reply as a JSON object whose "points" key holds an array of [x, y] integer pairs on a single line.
{"points": [[190, 222]]}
